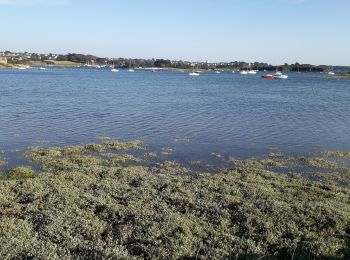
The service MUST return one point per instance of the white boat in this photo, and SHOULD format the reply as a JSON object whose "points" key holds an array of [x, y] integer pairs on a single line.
{"points": [[217, 72], [193, 73], [113, 69], [23, 67], [278, 73], [280, 76], [331, 72], [244, 72], [251, 71], [42, 68], [233, 72], [130, 68]]}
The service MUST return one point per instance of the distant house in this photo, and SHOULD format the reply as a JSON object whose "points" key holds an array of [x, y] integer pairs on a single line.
{"points": [[3, 60]]}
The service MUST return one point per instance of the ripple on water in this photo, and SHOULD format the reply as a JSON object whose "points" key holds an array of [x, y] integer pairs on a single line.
{"points": [[215, 112]]}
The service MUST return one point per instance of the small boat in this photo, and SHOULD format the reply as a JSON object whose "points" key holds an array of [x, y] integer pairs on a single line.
{"points": [[194, 73], [42, 68], [244, 72], [113, 68], [23, 67], [269, 76], [251, 71], [131, 67], [217, 72], [280, 76], [278, 73], [331, 72]]}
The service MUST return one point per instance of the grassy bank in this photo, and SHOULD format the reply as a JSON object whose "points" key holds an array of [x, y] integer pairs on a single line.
{"points": [[54, 63], [41, 64], [343, 76], [5, 66], [99, 201]]}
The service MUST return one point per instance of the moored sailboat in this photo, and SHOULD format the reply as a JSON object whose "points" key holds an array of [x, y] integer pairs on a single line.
{"points": [[193, 73]]}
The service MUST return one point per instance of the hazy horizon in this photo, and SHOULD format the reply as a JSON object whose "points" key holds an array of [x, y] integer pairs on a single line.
{"points": [[272, 31]]}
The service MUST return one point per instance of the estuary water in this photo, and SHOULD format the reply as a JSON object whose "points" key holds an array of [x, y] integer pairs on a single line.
{"points": [[194, 116]]}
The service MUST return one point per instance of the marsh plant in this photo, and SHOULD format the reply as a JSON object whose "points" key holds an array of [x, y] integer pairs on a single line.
{"points": [[88, 202]]}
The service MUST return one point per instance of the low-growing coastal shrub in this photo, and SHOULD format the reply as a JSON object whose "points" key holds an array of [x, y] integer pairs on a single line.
{"points": [[20, 173], [92, 205], [2, 163], [118, 145]]}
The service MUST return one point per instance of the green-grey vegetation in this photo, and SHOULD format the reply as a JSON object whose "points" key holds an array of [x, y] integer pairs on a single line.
{"points": [[342, 76], [53, 63], [20, 173], [98, 202], [117, 145], [2, 163], [5, 66], [336, 154]]}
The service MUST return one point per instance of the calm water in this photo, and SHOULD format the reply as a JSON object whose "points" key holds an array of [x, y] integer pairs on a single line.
{"points": [[228, 113]]}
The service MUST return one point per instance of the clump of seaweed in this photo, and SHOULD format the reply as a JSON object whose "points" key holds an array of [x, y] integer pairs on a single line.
{"points": [[95, 148], [119, 159], [118, 145], [20, 173], [336, 154], [319, 162], [259, 163], [2, 163]]}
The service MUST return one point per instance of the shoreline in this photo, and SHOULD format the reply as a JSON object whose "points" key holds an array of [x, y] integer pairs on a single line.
{"points": [[101, 200]]}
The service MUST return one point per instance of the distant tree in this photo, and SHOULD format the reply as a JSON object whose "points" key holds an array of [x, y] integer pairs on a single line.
{"points": [[35, 57], [161, 63], [62, 58]]}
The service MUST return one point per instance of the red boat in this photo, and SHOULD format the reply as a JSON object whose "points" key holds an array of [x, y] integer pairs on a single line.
{"points": [[267, 76]]}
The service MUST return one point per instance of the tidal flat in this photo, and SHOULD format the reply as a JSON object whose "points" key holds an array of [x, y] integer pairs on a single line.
{"points": [[107, 201]]}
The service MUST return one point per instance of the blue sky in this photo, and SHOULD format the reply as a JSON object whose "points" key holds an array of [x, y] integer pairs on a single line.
{"points": [[275, 31]]}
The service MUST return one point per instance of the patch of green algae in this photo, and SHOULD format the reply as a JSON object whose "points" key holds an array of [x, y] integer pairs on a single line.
{"points": [[86, 204], [2, 163]]}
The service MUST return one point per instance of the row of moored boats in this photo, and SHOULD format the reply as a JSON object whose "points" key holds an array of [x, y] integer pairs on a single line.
{"points": [[250, 71]]}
